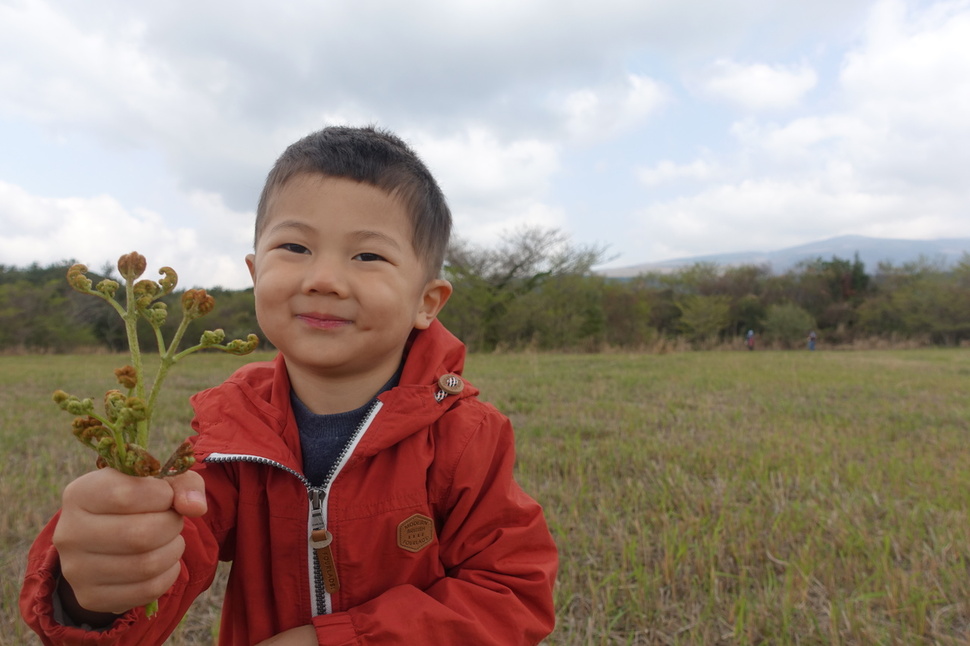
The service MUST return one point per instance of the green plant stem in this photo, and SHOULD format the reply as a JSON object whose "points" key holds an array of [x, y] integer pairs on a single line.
{"points": [[167, 360], [158, 336], [131, 329], [110, 301], [195, 348], [177, 338]]}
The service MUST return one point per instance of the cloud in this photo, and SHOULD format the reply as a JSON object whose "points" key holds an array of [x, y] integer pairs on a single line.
{"points": [[769, 214], [488, 227], [905, 102], [540, 112], [888, 160], [98, 230], [666, 171], [491, 185], [759, 86], [907, 83], [600, 113]]}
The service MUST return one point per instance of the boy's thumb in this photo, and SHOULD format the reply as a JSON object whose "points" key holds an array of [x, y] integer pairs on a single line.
{"points": [[189, 490]]}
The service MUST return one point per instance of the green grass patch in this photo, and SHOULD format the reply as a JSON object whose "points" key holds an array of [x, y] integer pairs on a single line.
{"points": [[696, 498]]}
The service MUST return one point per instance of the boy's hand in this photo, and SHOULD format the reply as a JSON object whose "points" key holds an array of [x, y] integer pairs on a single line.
{"points": [[119, 539], [302, 636]]}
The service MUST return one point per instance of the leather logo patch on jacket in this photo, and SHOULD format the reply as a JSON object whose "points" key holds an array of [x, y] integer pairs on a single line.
{"points": [[415, 533]]}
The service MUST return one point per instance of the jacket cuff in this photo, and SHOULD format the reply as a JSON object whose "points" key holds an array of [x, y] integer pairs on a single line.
{"points": [[40, 605], [336, 630]]}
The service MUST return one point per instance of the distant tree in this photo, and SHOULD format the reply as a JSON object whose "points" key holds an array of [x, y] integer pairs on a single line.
{"points": [[488, 280], [831, 291], [747, 313], [788, 324], [742, 280], [536, 288], [36, 317], [564, 313], [626, 309], [922, 298], [703, 318], [660, 292], [699, 278]]}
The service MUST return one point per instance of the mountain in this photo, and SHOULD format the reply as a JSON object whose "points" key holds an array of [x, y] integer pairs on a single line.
{"points": [[871, 252]]}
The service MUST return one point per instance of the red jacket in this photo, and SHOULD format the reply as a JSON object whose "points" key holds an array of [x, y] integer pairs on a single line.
{"points": [[432, 539]]}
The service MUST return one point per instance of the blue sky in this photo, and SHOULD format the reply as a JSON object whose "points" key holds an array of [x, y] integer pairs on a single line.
{"points": [[657, 129]]}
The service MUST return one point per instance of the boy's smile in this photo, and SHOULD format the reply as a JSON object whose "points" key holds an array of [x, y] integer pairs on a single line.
{"points": [[323, 321], [338, 285]]}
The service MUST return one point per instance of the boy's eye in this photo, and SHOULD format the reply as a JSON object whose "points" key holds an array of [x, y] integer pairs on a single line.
{"points": [[295, 248], [368, 257]]}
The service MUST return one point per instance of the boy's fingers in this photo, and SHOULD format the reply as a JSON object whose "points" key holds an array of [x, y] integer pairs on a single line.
{"points": [[117, 534], [189, 494], [102, 570], [108, 491], [117, 599]]}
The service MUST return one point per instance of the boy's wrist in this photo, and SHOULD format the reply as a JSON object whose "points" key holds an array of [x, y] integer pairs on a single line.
{"points": [[75, 615]]}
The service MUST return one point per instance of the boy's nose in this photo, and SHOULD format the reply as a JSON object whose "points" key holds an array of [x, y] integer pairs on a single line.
{"points": [[325, 276]]}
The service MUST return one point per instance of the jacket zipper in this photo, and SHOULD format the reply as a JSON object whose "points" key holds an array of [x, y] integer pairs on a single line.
{"points": [[321, 565]]}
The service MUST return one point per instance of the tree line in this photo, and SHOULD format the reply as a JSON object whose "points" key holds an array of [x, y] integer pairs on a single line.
{"points": [[536, 289], [40, 312]]}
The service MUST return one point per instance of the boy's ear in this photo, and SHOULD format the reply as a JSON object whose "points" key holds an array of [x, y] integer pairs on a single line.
{"points": [[251, 263], [436, 294]]}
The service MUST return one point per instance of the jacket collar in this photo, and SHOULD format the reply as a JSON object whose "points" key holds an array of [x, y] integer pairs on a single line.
{"points": [[250, 412]]}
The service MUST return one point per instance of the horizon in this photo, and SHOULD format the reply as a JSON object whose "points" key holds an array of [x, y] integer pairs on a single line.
{"points": [[778, 260]]}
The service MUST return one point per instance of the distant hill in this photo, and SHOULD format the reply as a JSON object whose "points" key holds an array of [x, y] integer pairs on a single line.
{"points": [[871, 252]]}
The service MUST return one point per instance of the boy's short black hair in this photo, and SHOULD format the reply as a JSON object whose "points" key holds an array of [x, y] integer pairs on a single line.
{"points": [[379, 158]]}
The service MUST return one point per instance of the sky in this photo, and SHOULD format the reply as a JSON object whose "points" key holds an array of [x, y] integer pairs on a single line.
{"points": [[652, 129]]}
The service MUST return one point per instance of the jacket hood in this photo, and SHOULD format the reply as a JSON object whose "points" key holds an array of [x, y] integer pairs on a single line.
{"points": [[250, 413]]}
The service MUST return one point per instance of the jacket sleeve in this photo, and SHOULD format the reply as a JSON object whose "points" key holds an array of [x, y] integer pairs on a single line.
{"points": [[496, 549], [43, 573]]}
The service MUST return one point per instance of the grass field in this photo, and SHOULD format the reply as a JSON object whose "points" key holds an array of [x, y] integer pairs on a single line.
{"points": [[696, 498]]}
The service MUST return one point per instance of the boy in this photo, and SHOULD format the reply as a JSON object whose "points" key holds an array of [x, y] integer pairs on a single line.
{"points": [[361, 490]]}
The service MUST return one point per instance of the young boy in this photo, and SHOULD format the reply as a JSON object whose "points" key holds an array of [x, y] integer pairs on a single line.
{"points": [[361, 490]]}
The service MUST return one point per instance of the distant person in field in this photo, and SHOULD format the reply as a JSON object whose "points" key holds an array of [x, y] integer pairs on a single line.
{"points": [[749, 339], [811, 340], [361, 490]]}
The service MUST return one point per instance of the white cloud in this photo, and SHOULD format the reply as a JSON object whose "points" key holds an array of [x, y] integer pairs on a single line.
{"points": [[485, 227], [699, 170], [758, 86], [602, 112], [908, 83], [490, 184], [770, 214], [509, 103], [477, 165], [889, 160], [54, 72], [97, 230], [903, 123], [493, 186], [799, 137]]}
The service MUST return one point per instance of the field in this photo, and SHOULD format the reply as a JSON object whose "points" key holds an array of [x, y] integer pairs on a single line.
{"points": [[696, 498]]}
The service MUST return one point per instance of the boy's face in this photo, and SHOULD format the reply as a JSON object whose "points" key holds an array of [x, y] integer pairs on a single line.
{"points": [[337, 282]]}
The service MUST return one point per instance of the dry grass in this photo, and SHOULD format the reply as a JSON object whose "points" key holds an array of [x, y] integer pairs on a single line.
{"points": [[748, 498], [697, 498]]}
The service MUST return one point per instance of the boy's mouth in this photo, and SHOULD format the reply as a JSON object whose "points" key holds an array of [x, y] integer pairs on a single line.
{"points": [[323, 321]]}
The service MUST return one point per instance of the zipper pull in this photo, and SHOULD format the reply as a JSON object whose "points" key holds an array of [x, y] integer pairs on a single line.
{"points": [[320, 540]]}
